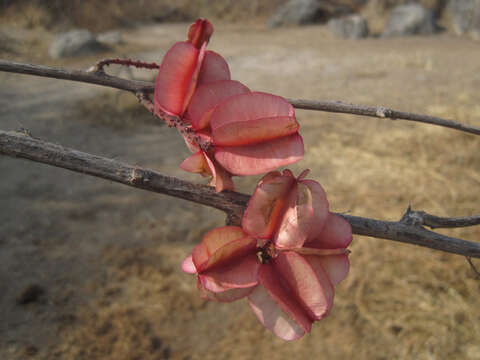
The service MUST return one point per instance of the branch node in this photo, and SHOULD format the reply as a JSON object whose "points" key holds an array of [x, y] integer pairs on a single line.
{"points": [[413, 218], [139, 177], [381, 112], [25, 132], [233, 219], [96, 70]]}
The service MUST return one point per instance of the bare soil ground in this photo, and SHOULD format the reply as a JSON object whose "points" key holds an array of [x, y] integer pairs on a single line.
{"points": [[91, 269]]}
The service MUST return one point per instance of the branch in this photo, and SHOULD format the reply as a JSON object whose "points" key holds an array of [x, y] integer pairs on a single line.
{"points": [[98, 77], [232, 203]]}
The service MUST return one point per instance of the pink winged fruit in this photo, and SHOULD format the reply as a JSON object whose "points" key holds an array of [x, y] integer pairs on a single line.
{"points": [[242, 132], [304, 253], [300, 250]]}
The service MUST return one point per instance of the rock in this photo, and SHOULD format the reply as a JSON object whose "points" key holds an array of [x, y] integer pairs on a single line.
{"points": [[410, 19], [475, 30], [302, 12], [31, 350], [349, 27], [110, 38], [377, 12], [465, 16], [75, 43], [172, 13]]}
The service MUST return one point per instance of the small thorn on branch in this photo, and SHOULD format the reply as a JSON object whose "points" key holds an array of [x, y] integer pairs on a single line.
{"points": [[472, 266], [412, 218], [381, 112]]}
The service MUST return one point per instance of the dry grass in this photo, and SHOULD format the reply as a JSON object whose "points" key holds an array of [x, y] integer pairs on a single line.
{"points": [[108, 14], [117, 110], [126, 296]]}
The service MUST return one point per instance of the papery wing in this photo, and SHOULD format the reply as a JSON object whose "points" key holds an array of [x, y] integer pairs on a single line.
{"points": [[209, 95], [252, 118], [188, 266], [264, 210], [336, 234], [262, 157], [276, 308], [311, 286], [320, 208], [229, 252], [224, 296], [214, 68], [272, 316], [335, 266], [297, 220], [197, 164], [239, 273], [212, 241], [222, 179], [174, 77]]}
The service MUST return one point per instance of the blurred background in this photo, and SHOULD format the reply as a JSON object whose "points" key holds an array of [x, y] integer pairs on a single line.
{"points": [[91, 269]]}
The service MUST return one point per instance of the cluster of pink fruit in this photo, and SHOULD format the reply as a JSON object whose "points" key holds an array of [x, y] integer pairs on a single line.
{"points": [[290, 250]]}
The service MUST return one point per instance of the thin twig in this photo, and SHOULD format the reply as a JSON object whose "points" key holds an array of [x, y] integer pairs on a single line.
{"points": [[232, 203], [381, 112], [98, 67], [100, 78]]}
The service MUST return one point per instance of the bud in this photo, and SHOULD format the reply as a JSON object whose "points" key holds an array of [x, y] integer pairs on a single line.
{"points": [[200, 32]]}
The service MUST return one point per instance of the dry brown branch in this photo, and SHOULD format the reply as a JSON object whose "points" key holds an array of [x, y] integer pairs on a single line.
{"points": [[100, 78], [381, 112], [97, 78], [21, 145]]}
